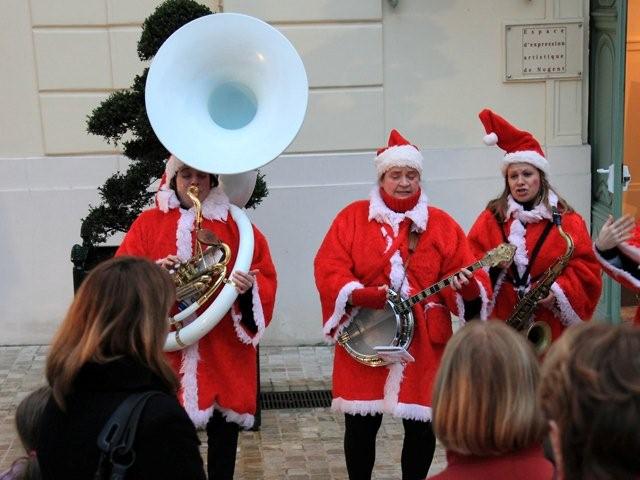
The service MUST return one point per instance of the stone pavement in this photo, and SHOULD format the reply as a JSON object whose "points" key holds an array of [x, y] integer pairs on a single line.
{"points": [[292, 444]]}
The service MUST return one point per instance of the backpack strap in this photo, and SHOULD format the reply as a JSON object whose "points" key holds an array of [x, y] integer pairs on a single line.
{"points": [[115, 441]]}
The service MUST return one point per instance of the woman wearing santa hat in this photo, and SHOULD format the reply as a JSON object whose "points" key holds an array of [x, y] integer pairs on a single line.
{"points": [[396, 240], [218, 373], [618, 251], [522, 215]]}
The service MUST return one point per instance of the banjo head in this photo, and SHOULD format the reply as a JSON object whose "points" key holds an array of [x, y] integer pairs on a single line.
{"points": [[372, 328]]}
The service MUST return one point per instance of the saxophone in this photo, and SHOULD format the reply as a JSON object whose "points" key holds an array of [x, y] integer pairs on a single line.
{"points": [[539, 333]]}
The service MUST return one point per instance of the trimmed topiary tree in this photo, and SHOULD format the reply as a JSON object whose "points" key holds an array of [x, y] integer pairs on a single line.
{"points": [[122, 120]]}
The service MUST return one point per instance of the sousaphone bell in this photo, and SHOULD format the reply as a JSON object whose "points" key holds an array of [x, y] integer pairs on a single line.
{"points": [[226, 94]]}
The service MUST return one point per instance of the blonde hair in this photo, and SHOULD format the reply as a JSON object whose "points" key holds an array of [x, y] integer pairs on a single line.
{"points": [[120, 310], [590, 387], [484, 395], [499, 205]]}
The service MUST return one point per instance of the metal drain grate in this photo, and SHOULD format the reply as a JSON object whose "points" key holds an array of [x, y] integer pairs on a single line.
{"points": [[295, 399]]}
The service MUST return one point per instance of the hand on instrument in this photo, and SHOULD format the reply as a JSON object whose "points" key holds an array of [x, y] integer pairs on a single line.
{"points": [[613, 232], [243, 280], [548, 301], [370, 297], [460, 282], [170, 262]]}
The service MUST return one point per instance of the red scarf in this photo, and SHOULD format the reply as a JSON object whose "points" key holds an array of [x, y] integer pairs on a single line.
{"points": [[400, 205]]}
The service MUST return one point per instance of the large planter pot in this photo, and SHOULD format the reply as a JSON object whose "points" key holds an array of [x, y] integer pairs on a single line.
{"points": [[85, 258]]}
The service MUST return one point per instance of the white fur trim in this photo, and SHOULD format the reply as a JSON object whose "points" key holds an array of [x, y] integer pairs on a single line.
{"points": [[392, 386], [460, 308], [412, 411], [258, 313], [189, 384], [525, 156], [339, 311], [564, 310], [490, 139], [618, 271], [397, 278], [245, 420], [536, 214], [485, 308], [630, 251], [258, 317], [167, 199], [184, 241], [379, 212], [357, 407], [399, 156], [236, 316], [171, 168], [496, 289], [216, 205], [516, 237]]}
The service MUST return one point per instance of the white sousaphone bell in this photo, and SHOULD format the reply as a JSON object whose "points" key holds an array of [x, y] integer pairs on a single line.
{"points": [[226, 94]]}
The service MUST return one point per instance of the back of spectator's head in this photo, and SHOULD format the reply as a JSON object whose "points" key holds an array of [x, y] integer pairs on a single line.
{"points": [[590, 393], [484, 393], [27, 419], [28, 416], [120, 310]]}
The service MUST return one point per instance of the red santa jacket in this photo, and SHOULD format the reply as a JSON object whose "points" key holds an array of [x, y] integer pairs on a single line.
{"points": [[577, 289], [528, 464], [359, 237], [218, 371], [631, 250]]}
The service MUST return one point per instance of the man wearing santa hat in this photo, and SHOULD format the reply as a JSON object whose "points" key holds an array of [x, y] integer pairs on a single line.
{"points": [[522, 215], [218, 374], [394, 240], [618, 251]]}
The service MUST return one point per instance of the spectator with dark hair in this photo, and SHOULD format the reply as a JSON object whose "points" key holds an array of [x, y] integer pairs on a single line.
{"points": [[108, 348], [590, 395], [484, 406], [28, 415]]}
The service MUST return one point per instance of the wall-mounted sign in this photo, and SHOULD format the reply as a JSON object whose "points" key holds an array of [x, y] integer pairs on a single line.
{"points": [[541, 51]]}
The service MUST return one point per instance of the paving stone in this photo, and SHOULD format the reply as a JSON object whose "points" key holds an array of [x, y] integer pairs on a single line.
{"points": [[296, 444]]}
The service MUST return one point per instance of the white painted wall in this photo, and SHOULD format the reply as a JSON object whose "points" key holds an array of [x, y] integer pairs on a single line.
{"points": [[425, 68]]}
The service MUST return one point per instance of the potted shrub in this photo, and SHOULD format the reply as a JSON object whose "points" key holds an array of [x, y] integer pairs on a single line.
{"points": [[121, 120]]}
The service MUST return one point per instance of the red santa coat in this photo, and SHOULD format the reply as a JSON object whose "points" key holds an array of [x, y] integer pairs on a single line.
{"points": [[630, 249], [218, 371], [577, 288], [359, 237]]}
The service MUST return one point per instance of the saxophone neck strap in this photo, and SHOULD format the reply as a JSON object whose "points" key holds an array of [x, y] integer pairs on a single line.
{"points": [[521, 282]]}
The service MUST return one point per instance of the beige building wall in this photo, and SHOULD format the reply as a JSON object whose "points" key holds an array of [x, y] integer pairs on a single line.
{"points": [[425, 68]]}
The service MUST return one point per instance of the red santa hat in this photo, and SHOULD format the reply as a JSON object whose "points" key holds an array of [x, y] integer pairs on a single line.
{"points": [[398, 153], [520, 146], [166, 198]]}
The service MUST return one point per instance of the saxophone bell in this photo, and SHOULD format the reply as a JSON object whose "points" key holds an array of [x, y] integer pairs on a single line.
{"points": [[539, 334]]}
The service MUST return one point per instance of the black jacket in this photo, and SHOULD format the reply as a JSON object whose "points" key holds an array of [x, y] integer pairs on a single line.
{"points": [[166, 444]]}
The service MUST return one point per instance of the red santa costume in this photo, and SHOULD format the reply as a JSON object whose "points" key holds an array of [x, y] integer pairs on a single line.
{"points": [[577, 288], [219, 371], [349, 259], [624, 265]]}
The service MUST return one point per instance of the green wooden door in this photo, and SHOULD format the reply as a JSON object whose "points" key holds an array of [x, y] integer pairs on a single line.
{"points": [[606, 123]]}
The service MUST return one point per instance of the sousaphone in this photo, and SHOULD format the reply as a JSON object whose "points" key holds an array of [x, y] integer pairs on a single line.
{"points": [[226, 94]]}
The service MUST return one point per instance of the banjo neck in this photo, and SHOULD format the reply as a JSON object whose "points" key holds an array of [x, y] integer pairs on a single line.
{"points": [[411, 301]]}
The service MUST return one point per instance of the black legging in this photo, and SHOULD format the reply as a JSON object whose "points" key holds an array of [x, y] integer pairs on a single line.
{"points": [[360, 446], [222, 442]]}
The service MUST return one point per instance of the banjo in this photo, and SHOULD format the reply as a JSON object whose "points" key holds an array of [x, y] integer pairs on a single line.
{"points": [[393, 325]]}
